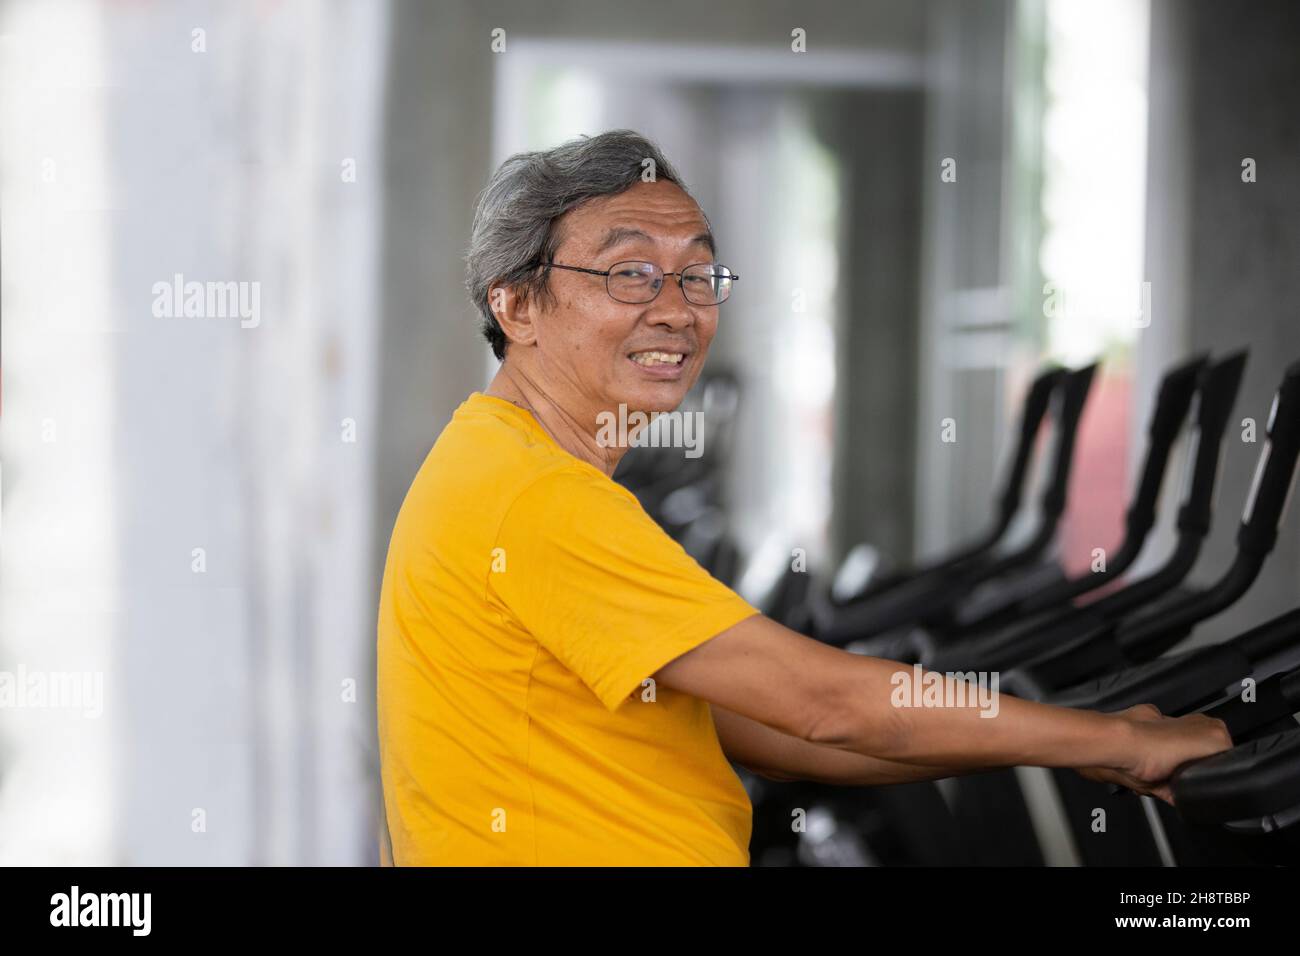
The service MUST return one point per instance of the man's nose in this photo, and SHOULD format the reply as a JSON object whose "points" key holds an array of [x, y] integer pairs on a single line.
{"points": [[670, 308]]}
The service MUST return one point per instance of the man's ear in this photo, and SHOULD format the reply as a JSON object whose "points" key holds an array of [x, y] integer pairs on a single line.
{"points": [[514, 313]]}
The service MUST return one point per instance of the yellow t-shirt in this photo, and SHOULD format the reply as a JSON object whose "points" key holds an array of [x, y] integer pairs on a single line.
{"points": [[526, 599]]}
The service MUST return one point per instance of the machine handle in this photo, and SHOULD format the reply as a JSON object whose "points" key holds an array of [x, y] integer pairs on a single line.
{"points": [[1177, 389], [1217, 394], [1073, 395], [1275, 474], [1036, 404]]}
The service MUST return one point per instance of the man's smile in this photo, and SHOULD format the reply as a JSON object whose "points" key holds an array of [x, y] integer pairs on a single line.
{"points": [[657, 357], [661, 364]]}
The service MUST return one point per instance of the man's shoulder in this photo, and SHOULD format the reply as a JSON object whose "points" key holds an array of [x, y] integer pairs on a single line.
{"points": [[488, 456], [491, 431]]}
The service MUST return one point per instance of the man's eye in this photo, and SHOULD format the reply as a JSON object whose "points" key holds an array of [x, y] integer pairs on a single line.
{"points": [[631, 274]]}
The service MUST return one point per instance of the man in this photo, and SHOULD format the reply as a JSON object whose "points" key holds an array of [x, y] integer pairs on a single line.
{"points": [[559, 683]]}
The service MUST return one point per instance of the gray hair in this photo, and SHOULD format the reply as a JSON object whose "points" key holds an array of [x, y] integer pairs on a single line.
{"points": [[514, 220]]}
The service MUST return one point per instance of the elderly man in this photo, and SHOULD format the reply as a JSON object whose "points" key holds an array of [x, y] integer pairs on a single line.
{"points": [[559, 682]]}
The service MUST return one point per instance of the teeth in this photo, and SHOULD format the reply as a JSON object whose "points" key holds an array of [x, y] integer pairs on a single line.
{"points": [[657, 358]]}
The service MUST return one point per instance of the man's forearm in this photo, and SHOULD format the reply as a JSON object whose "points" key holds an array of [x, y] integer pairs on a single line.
{"points": [[778, 756], [842, 768], [880, 714]]}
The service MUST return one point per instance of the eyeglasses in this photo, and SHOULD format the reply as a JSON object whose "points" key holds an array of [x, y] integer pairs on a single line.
{"points": [[635, 283]]}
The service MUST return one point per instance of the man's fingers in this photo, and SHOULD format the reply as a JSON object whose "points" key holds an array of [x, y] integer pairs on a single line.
{"points": [[1144, 712]]}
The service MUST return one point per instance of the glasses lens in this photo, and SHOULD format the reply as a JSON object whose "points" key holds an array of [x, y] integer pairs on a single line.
{"points": [[634, 282], [706, 284]]}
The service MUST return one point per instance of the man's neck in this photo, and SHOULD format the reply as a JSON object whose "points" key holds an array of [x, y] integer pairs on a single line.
{"points": [[571, 430]]}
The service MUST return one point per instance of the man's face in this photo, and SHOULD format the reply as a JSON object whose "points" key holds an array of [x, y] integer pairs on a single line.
{"points": [[597, 348]]}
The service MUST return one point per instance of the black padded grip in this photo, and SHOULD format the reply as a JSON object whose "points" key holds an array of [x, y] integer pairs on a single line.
{"points": [[1276, 699], [1272, 637], [1172, 683], [1177, 389], [1256, 779], [1218, 393], [1074, 394], [1276, 470], [1175, 396], [1036, 404]]}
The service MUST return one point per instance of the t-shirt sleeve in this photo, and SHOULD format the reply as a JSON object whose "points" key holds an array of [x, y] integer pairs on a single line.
{"points": [[589, 574]]}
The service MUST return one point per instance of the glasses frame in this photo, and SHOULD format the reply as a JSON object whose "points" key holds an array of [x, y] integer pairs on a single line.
{"points": [[677, 275]]}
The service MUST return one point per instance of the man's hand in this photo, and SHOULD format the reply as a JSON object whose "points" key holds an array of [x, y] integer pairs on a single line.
{"points": [[1160, 746]]}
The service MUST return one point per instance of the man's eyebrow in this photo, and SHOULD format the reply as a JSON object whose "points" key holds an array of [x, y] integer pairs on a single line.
{"points": [[621, 234]]}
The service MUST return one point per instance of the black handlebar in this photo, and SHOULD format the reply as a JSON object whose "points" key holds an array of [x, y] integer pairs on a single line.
{"points": [[1172, 403], [1256, 779], [1037, 403], [1265, 506], [1073, 396], [1177, 390], [1218, 393], [1274, 701], [1273, 478]]}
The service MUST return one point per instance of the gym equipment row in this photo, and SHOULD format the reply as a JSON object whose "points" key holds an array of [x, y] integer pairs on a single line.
{"points": [[1097, 640]]}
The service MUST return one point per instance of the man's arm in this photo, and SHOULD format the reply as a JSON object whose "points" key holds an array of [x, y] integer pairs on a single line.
{"points": [[777, 756], [828, 697]]}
